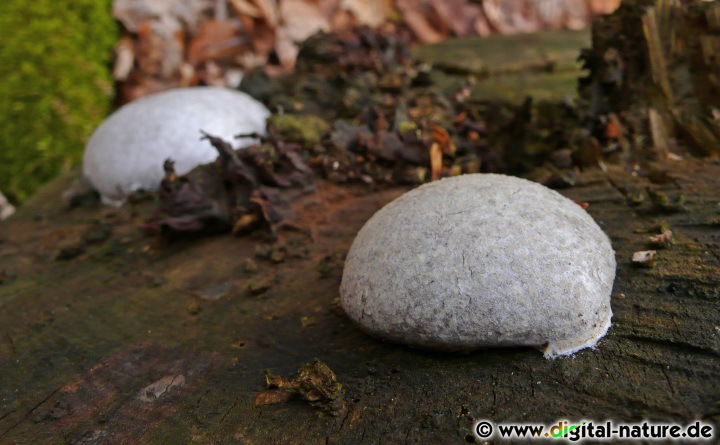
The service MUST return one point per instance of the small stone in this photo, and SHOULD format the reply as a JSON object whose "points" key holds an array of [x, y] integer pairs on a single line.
{"points": [[127, 151], [481, 260]]}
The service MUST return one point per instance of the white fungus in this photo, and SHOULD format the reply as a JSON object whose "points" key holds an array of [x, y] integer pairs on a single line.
{"points": [[481, 260], [127, 151], [6, 209]]}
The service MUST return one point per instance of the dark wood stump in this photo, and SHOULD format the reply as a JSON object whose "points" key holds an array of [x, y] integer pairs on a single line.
{"points": [[130, 340]]}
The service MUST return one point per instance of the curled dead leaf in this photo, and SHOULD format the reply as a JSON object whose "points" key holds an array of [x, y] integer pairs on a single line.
{"points": [[442, 138], [435, 161], [315, 383], [368, 12], [216, 39], [414, 15]]}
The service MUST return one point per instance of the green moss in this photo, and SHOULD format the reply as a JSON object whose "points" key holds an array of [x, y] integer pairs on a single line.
{"points": [[55, 86], [306, 129]]}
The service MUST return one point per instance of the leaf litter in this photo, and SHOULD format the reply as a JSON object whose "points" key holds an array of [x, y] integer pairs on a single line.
{"points": [[314, 383]]}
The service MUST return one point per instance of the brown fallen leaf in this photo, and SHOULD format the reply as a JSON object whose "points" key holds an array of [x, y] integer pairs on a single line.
{"points": [[368, 12], [264, 41], [577, 14], [442, 138], [124, 58], [301, 19], [481, 25], [458, 16], [216, 40], [315, 383], [269, 11], [245, 8], [414, 15], [598, 7], [245, 223], [511, 17], [219, 196], [435, 161], [286, 49]]}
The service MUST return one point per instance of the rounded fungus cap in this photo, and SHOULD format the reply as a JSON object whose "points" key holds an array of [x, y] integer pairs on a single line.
{"points": [[126, 152], [481, 260]]}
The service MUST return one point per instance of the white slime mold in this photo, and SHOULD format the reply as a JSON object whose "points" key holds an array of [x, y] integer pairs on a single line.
{"points": [[481, 260], [127, 151]]}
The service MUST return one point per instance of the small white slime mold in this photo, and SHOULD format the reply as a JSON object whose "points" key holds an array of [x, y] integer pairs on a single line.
{"points": [[127, 151]]}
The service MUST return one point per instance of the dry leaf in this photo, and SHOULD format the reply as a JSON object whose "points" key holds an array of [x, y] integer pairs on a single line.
{"points": [[301, 19], [216, 39], [511, 17], [481, 26], [246, 8], [435, 161], [315, 382], [457, 15], [160, 49], [598, 7], [584, 205], [577, 14], [269, 11], [414, 14], [551, 13], [285, 49], [124, 58], [442, 138], [171, 14], [263, 40], [368, 12]]}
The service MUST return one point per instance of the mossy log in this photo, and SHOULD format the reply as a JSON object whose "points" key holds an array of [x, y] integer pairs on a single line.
{"points": [[543, 65], [132, 340]]}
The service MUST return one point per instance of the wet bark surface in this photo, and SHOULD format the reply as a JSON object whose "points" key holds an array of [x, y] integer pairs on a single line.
{"points": [[108, 336]]}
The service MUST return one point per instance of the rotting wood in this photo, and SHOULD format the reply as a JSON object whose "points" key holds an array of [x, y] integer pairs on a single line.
{"points": [[122, 316]]}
